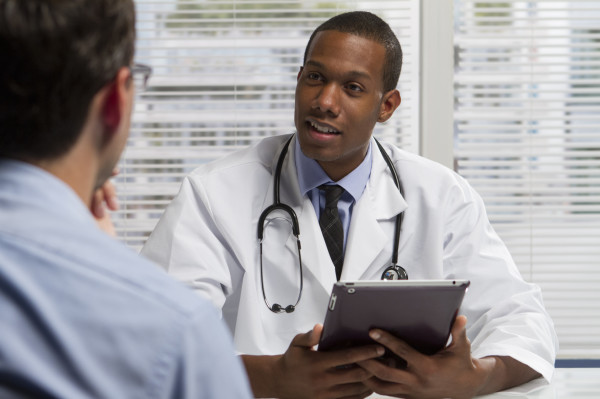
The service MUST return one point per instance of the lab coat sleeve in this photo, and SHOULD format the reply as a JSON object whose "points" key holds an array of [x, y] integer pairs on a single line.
{"points": [[506, 315], [188, 245]]}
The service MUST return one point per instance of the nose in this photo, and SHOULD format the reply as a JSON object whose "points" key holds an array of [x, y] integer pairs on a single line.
{"points": [[328, 99]]}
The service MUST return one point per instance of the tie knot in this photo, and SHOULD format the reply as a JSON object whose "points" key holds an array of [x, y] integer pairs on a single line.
{"points": [[332, 194]]}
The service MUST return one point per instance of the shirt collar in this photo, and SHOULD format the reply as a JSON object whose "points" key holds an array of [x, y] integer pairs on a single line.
{"points": [[311, 175]]}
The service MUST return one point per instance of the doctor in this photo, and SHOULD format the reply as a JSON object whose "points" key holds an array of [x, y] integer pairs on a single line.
{"points": [[208, 238]]}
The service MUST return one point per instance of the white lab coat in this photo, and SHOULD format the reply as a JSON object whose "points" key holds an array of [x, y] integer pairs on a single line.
{"points": [[207, 238]]}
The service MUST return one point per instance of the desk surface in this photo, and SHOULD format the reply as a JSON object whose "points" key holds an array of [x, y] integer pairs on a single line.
{"points": [[567, 383]]}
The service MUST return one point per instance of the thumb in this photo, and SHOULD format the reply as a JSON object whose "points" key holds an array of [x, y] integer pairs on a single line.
{"points": [[459, 331], [310, 338]]}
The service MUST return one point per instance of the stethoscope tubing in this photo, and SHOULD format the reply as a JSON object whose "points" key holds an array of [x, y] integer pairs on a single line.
{"points": [[392, 272], [400, 216]]}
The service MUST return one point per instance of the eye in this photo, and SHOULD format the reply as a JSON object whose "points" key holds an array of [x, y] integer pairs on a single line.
{"points": [[354, 88], [313, 76]]}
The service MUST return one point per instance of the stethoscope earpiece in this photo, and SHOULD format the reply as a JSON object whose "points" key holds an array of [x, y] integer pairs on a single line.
{"points": [[276, 308]]}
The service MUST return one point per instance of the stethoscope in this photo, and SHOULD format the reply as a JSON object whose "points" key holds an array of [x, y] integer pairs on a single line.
{"points": [[392, 272]]}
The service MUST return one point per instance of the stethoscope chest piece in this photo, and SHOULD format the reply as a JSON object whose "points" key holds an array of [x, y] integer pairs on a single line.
{"points": [[394, 272]]}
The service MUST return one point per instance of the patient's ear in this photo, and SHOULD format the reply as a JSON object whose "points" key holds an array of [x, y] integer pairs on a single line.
{"points": [[116, 99]]}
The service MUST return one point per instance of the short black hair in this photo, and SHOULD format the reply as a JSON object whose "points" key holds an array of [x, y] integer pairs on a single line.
{"points": [[56, 55], [369, 26]]}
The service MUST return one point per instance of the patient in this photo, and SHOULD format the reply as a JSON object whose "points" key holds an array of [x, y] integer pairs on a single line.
{"points": [[81, 315]]}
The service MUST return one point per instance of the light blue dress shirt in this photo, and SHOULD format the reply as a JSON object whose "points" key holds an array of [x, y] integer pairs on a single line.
{"points": [[311, 176], [83, 316]]}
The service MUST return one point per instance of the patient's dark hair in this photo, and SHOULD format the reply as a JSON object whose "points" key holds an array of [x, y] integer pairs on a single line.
{"points": [[369, 26], [56, 55]]}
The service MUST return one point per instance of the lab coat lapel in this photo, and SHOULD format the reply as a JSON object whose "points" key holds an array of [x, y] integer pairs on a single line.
{"points": [[367, 238], [315, 258]]}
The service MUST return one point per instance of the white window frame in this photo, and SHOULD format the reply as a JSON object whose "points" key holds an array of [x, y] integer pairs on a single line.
{"points": [[437, 81]]}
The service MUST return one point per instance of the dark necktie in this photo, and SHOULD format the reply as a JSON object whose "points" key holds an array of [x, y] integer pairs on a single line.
{"points": [[331, 226]]}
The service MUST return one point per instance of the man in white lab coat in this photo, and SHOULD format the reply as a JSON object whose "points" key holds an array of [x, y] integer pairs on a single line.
{"points": [[208, 239]]}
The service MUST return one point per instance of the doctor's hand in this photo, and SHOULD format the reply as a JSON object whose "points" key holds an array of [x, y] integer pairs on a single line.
{"points": [[450, 373], [307, 373], [303, 372]]}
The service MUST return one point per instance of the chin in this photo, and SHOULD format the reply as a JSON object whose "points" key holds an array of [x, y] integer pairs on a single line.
{"points": [[323, 158]]}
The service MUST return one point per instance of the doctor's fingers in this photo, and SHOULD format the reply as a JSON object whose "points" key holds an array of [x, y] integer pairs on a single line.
{"points": [[383, 374], [398, 346], [348, 391], [459, 334], [308, 339], [387, 388], [350, 356]]}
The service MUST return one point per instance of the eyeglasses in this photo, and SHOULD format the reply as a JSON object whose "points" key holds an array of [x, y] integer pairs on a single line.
{"points": [[140, 74]]}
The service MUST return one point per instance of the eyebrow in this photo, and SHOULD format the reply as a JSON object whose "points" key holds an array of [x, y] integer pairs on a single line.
{"points": [[359, 74]]}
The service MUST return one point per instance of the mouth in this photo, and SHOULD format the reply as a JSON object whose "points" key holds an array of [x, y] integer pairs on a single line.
{"points": [[322, 128]]}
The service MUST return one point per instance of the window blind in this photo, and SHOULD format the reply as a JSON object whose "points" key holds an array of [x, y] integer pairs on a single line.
{"points": [[527, 137], [224, 77]]}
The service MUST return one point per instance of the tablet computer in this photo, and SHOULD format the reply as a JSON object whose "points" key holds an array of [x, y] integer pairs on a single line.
{"points": [[420, 312]]}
